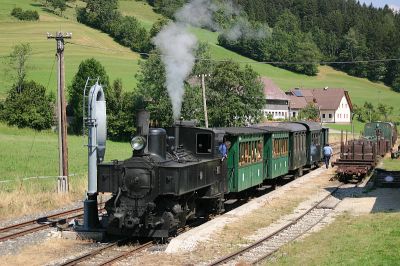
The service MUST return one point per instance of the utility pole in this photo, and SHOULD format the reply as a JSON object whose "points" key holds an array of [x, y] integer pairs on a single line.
{"points": [[62, 182], [203, 86]]}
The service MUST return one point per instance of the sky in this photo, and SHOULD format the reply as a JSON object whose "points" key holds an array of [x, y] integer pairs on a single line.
{"points": [[395, 4]]}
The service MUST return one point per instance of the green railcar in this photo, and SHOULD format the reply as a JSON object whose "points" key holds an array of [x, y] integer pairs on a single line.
{"points": [[385, 130], [314, 148], [245, 158], [276, 152]]}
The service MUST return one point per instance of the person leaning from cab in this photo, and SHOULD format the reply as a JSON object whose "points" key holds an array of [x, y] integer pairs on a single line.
{"points": [[223, 149], [327, 154]]}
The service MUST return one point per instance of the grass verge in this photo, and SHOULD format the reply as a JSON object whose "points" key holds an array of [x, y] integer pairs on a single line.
{"points": [[390, 164], [35, 196], [29, 153], [351, 240]]}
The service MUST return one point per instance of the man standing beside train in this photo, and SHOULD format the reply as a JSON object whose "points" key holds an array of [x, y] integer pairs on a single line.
{"points": [[327, 154]]}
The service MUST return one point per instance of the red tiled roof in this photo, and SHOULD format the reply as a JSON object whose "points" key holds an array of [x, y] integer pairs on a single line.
{"points": [[327, 99], [272, 91], [296, 102]]}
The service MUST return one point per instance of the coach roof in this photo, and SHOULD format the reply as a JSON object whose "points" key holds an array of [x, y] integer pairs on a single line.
{"points": [[312, 126], [236, 131], [290, 126]]}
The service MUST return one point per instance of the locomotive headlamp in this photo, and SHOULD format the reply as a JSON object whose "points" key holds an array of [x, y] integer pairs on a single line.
{"points": [[138, 143]]}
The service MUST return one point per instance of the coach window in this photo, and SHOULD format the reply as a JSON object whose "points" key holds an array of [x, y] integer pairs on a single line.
{"points": [[203, 143], [285, 146], [259, 150], [241, 158]]}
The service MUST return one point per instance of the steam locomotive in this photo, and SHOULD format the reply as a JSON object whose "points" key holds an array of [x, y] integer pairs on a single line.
{"points": [[177, 173]]}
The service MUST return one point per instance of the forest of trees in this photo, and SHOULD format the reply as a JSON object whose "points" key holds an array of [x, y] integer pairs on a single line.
{"points": [[317, 30], [343, 30]]}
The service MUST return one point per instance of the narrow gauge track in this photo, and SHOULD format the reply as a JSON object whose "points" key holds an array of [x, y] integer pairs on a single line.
{"points": [[265, 247], [101, 256], [112, 252], [21, 229]]}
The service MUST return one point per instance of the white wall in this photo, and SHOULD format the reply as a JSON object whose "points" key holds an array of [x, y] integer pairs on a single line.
{"points": [[276, 114], [329, 116], [343, 114]]}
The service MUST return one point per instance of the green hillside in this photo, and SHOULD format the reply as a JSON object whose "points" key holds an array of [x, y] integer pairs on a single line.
{"points": [[121, 62]]}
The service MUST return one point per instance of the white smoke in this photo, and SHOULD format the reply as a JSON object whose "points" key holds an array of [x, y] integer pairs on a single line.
{"points": [[243, 28], [198, 13], [177, 48]]}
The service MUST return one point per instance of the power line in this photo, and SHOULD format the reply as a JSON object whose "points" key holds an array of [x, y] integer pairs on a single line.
{"points": [[257, 62]]}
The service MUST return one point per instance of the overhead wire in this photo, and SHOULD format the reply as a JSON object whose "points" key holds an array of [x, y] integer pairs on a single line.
{"points": [[254, 62], [36, 131]]}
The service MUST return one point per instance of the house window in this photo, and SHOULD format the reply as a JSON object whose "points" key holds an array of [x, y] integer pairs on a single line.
{"points": [[294, 114], [330, 115], [323, 115]]}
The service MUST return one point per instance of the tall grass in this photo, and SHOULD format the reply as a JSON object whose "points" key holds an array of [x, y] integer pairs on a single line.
{"points": [[30, 197], [29, 153]]}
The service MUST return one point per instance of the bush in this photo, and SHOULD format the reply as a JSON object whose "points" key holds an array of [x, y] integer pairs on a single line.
{"points": [[126, 30], [87, 68], [25, 15], [28, 106]]}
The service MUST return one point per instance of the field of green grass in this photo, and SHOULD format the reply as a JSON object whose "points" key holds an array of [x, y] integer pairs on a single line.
{"points": [[86, 42], [351, 240], [390, 164], [27, 153]]}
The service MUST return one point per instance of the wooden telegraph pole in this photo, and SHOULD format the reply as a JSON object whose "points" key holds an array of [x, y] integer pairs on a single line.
{"points": [[203, 86], [62, 182]]}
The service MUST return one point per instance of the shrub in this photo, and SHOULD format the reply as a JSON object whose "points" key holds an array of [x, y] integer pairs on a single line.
{"points": [[25, 15], [28, 106]]}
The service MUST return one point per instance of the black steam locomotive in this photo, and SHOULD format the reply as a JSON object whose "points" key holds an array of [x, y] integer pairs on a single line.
{"points": [[163, 185]]}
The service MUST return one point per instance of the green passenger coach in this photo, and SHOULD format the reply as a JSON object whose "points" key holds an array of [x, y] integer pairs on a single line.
{"points": [[276, 151], [245, 158]]}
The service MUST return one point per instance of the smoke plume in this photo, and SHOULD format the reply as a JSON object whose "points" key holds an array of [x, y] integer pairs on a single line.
{"points": [[177, 48], [243, 28], [198, 13]]}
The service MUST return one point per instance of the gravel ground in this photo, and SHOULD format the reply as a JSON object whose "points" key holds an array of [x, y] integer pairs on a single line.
{"points": [[4, 223], [13, 246]]}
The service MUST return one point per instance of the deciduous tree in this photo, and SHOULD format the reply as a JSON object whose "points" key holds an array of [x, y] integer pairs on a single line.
{"points": [[18, 63], [89, 68], [28, 105]]}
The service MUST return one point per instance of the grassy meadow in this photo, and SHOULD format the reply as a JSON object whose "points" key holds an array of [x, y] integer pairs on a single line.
{"points": [[370, 239], [27, 153], [86, 42]]}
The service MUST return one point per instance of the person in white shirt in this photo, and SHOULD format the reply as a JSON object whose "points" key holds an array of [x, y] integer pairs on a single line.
{"points": [[327, 154]]}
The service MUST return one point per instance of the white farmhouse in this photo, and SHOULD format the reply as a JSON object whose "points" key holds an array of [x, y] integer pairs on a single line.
{"points": [[334, 104]]}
